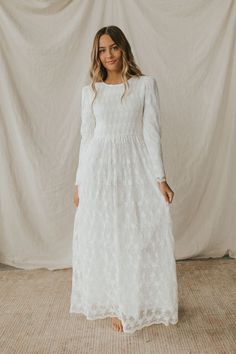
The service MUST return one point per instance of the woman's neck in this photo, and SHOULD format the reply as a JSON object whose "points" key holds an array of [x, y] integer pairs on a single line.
{"points": [[114, 78]]}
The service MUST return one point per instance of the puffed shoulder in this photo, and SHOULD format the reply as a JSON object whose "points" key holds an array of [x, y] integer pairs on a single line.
{"points": [[85, 87], [87, 91], [151, 87], [150, 81]]}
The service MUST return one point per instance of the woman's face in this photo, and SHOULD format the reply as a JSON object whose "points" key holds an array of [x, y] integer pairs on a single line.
{"points": [[110, 54]]}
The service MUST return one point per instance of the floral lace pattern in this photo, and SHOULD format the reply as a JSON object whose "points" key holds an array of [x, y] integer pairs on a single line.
{"points": [[123, 246]]}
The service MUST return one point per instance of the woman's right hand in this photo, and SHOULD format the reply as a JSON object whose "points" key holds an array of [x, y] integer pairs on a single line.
{"points": [[76, 197]]}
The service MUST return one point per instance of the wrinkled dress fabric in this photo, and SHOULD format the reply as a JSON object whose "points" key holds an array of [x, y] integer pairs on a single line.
{"points": [[123, 247]]}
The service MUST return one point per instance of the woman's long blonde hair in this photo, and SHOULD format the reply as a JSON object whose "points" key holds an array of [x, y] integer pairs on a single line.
{"points": [[98, 72]]}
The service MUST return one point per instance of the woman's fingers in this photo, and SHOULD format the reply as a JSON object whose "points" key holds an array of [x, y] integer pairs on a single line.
{"points": [[167, 197], [170, 196], [166, 191], [76, 199]]}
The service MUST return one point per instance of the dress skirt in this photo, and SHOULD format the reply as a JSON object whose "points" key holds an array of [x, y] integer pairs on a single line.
{"points": [[123, 246]]}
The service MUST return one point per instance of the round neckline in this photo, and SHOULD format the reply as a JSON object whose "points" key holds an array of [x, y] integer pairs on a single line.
{"points": [[121, 83]]}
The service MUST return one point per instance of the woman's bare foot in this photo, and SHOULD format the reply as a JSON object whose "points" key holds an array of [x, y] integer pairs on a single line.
{"points": [[117, 324]]}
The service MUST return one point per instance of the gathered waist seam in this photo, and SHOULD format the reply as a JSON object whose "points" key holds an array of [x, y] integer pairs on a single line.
{"points": [[118, 136]]}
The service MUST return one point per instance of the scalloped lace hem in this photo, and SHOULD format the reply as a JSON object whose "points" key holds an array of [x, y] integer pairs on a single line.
{"points": [[128, 329]]}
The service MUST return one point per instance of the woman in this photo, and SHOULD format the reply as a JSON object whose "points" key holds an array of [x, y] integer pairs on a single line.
{"points": [[123, 246]]}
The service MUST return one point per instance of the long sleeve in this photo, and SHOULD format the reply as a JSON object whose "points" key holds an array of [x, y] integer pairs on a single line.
{"points": [[88, 123], [152, 128]]}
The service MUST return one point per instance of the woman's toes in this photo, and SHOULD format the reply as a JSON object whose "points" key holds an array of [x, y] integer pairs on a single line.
{"points": [[117, 324]]}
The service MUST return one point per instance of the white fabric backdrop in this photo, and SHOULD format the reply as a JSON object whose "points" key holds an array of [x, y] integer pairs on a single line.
{"points": [[188, 45]]}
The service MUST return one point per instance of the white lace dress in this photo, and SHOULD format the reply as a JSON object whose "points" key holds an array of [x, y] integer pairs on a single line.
{"points": [[123, 246]]}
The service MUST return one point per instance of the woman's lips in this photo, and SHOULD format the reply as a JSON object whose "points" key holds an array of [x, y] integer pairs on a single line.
{"points": [[111, 62]]}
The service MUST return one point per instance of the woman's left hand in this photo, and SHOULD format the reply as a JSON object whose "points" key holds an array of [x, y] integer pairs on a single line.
{"points": [[166, 191]]}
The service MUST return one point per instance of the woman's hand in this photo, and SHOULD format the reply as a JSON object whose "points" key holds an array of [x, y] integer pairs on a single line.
{"points": [[166, 191], [76, 197]]}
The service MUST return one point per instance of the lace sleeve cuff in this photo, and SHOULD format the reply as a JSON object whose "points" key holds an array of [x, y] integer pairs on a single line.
{"points": [[161, 179]]}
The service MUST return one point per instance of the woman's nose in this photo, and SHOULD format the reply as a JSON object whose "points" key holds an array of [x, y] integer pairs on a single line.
{"points": [[109, 52]]}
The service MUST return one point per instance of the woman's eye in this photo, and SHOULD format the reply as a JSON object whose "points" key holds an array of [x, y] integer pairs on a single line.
{"points": [[103, 50]]}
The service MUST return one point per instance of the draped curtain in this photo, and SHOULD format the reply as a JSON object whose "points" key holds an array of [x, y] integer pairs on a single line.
{"points": [[187, 45]]}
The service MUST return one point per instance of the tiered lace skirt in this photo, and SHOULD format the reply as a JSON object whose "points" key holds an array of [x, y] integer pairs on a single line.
{"points": [[123, 246]]}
